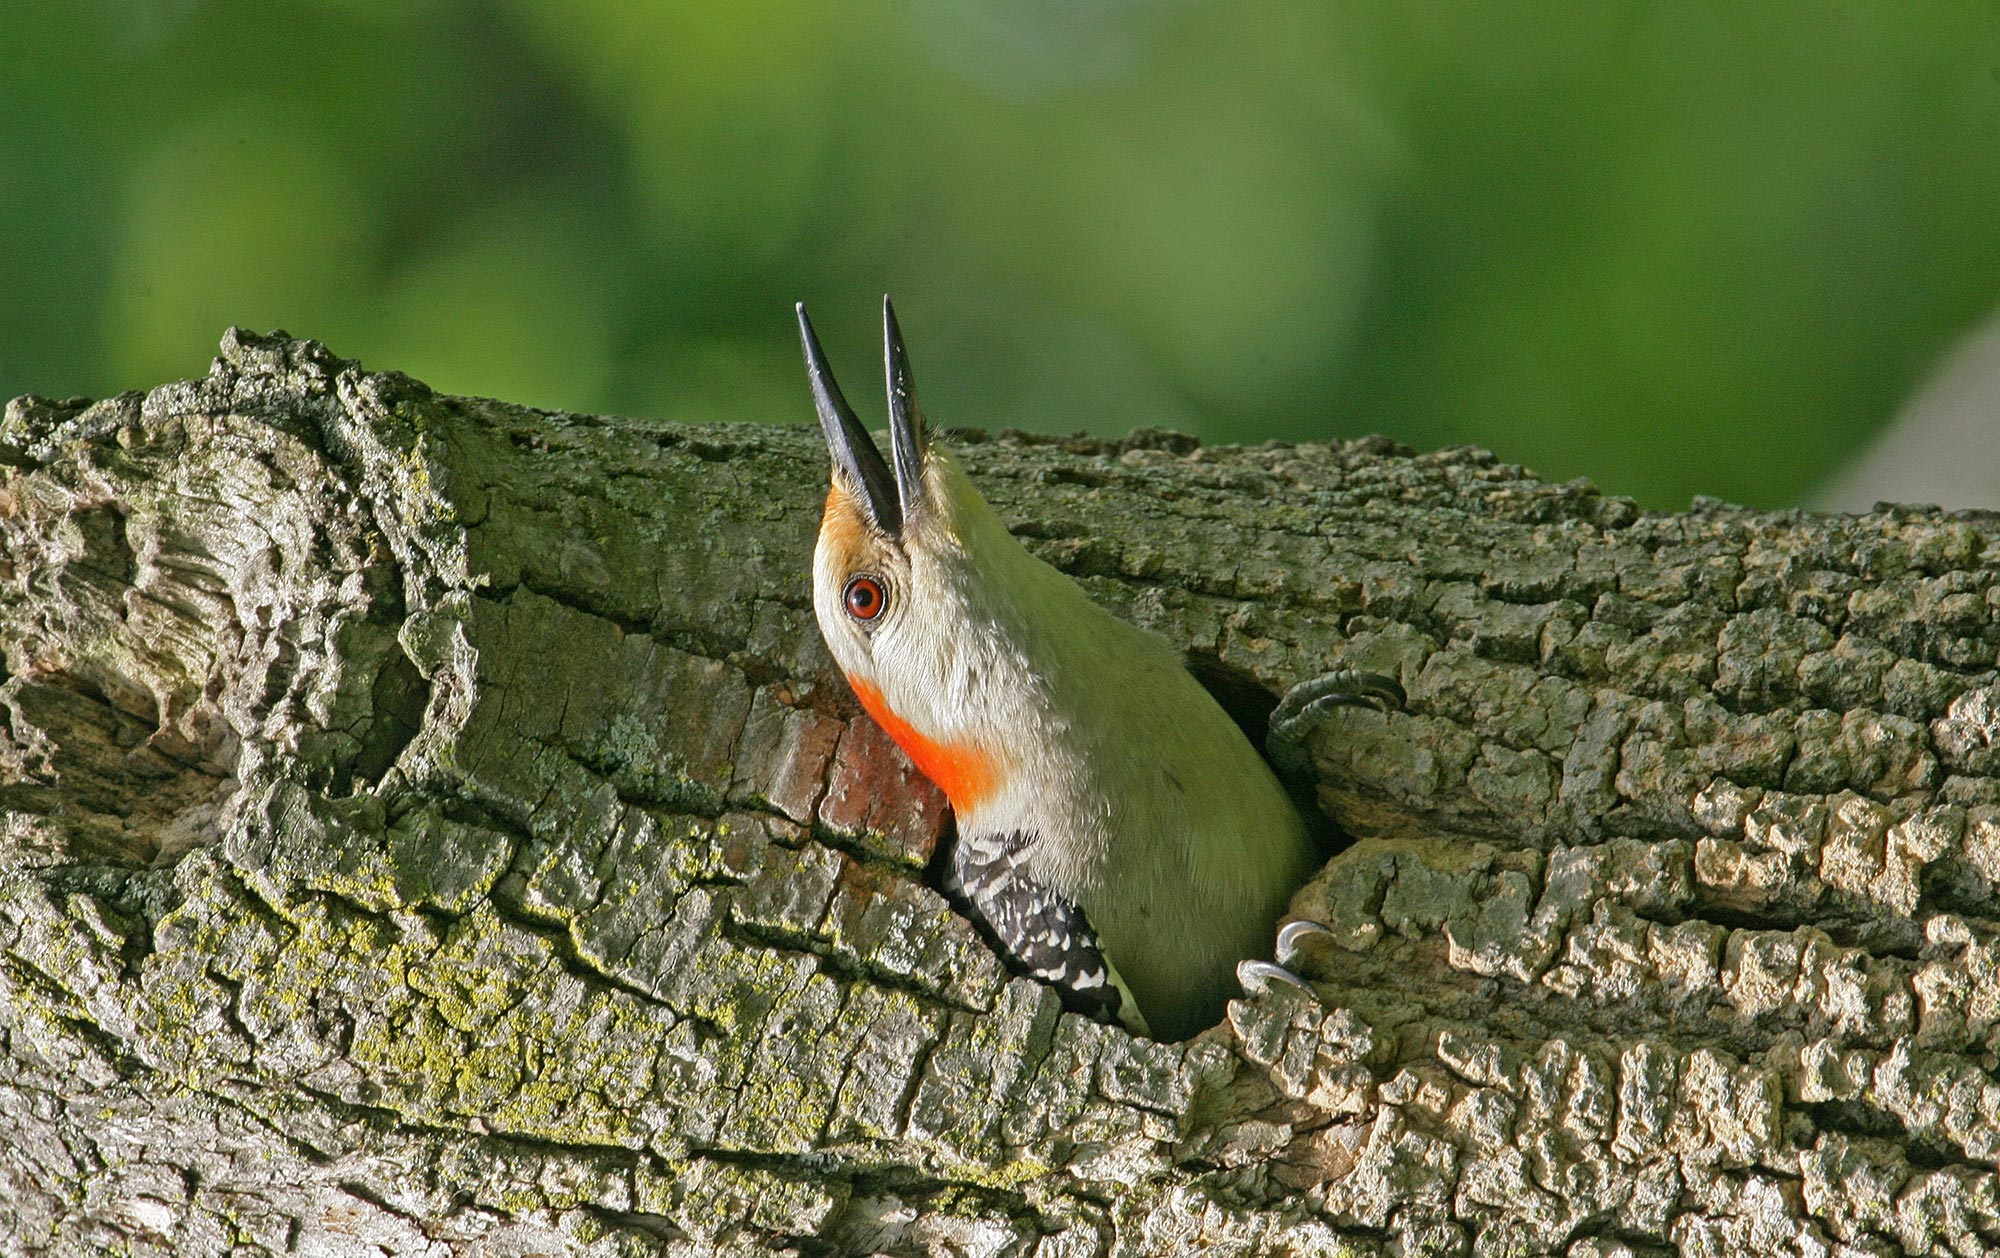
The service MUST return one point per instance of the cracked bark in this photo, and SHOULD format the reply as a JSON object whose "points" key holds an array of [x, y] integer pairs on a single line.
{"points": [[433, 826]]}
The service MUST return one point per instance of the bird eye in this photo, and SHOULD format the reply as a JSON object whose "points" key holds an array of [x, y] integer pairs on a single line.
{"points": [[865, 598]]}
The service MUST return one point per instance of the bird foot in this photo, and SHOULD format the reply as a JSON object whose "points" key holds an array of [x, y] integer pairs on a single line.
{"points": [[1307, 703], [1256, 977]]}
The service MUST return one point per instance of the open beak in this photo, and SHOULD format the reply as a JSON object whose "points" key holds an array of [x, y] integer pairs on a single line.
{"points": [[891, 500], [854, 454]]}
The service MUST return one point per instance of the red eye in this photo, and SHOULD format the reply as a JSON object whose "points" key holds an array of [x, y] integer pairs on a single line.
{"points": [[865, 598]]}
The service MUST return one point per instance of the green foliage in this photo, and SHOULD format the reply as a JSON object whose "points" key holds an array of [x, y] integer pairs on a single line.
{"points": [[1679, 247]]}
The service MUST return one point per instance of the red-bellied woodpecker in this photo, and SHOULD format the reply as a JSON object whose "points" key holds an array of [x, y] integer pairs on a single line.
{"points": [[1117, 832]]}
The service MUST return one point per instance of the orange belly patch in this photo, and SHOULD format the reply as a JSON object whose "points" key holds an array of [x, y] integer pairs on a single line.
{"points": [[964, 773]]}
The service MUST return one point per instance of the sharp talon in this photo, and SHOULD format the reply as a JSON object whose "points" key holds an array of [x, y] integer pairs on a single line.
{"points": [[1364, 689], [1305, 704], [1291, 933], [1256, 977], [1341, 688]]}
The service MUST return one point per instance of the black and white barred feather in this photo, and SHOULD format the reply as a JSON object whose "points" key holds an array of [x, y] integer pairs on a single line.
{"points": [[1042, 933]]}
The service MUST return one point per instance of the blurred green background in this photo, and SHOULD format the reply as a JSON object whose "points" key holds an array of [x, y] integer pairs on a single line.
{"points": [[1689, 247]]}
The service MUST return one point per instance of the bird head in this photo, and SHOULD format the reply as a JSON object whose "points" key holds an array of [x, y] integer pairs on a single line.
{"points": [[908, 553]]}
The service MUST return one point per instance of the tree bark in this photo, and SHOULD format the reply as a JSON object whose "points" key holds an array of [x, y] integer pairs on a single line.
{"points": [[433, 826]]}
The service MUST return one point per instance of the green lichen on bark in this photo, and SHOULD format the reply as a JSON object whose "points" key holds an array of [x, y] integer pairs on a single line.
{"points": [[432, 825]]}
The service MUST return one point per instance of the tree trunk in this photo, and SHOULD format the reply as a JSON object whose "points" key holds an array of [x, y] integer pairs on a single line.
{"points": [[434, 826]]}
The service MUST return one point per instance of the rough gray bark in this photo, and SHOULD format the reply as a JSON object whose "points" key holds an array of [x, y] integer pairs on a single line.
{"points": [[433, 826]]}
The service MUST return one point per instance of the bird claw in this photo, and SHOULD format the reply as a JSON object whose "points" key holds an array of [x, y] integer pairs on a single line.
{"points": [[1291, 933], [1343, 687], [1300, 711], [1256, 977]]}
